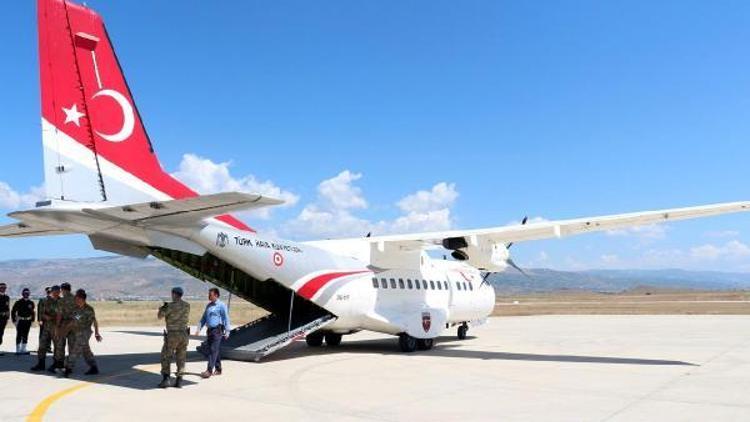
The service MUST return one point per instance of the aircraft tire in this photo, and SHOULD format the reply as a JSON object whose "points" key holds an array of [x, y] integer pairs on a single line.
{"points": [[407, 343], [462, 332], [333, 339], [425, 343], [314, 339]]}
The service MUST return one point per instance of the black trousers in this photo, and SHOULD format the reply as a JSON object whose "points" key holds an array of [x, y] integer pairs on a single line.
{"points": [[22, 331], [215, 335], [3, 323]]}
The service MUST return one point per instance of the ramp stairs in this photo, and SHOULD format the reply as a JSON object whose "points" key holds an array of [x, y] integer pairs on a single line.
{"points": [[290, 315]]}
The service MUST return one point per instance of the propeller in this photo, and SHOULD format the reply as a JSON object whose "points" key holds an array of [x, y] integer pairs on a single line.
{"points": [[523, 223]]}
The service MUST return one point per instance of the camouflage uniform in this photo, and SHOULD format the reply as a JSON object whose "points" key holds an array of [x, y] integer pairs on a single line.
{"points": [[83, 318], [67, 306], [176, 315], [49, 314]]}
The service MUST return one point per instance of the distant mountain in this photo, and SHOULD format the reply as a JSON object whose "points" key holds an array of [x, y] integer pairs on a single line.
{"points": [[128, 278], [611, 281]]}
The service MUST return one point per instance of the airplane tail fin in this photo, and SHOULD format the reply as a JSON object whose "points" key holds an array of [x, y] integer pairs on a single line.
{"points": [[96, 148]]}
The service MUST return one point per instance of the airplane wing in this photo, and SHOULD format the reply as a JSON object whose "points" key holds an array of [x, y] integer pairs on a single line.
{"points": [[555, 229]]}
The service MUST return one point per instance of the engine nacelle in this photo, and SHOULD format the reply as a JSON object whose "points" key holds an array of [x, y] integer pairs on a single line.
{"points": [[485, 256]]}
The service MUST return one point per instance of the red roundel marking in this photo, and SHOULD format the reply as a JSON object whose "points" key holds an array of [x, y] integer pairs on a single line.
{"points": [[278, 259]]}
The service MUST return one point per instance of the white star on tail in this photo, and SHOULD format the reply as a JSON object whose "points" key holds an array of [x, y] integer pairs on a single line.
{"points": [[73, 115]]}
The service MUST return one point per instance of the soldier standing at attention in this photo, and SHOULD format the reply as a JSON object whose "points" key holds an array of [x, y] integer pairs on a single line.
{"points": [[40, 312], [22, 316], [83, 318], [49, 318], [4, 312], [176, 315], [63, 330]]}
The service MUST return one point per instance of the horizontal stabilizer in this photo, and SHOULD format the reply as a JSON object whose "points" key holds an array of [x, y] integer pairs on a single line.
{"points": [[181, 212], [28, 230]]}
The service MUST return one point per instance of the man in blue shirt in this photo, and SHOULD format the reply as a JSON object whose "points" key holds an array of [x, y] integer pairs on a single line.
{"points": [[216, 318]]}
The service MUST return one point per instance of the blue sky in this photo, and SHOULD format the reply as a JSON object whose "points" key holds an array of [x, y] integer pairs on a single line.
{"points": [[493, 110]]}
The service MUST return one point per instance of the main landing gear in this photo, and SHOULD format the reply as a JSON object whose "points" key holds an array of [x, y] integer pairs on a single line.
{"points": [[316, 339], [409, 344], [463, 329]]}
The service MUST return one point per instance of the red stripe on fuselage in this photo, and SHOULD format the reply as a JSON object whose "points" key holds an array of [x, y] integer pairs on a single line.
{"points": [[315, 284]]}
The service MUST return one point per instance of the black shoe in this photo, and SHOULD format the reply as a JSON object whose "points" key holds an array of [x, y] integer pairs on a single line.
{"points": [[94, 370], [178, 382], [52, 369], [66, 373], [38, 367], [164, 382]]}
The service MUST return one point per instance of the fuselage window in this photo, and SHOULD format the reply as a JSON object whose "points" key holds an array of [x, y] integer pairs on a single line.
{"points": [[424, 284], [458, 285], [375, 283], [471, 286], [464, 284], [432, 285], [400, 283], [416, 284], [445, 284], [439, 285], [383, 283], [393, 283], [408, 284]]}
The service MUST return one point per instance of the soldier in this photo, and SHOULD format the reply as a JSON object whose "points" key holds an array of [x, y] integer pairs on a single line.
{"points": [[49, 318], [83, 318], [63, 326], [4, 312], [22, 316], [176, 315], [40, 312]]}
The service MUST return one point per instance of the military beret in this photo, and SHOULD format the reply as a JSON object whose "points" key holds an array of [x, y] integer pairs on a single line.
{"points": [[65, 286], [55, 288], [25, 290], [178, 291]]}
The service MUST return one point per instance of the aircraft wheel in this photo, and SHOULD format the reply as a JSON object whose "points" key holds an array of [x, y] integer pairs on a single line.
{"points": [[425, 343], [407, 343], [314, 339], [333, 339], [462, 331]]}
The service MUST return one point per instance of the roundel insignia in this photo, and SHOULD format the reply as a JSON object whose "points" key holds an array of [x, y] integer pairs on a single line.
{"points": [[278, 259]]}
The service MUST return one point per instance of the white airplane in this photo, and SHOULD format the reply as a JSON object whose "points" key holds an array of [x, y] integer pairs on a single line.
{"points": [[103, 180]]}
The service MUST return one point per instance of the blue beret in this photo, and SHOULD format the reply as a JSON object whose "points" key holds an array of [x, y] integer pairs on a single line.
{"points": [[178, 291]]}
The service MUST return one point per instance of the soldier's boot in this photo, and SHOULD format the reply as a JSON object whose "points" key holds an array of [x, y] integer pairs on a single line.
{"points": [[178, 382], [66, 372], [39, 366], [165, 381], [18, 349], [94, 370], [52, 368]]}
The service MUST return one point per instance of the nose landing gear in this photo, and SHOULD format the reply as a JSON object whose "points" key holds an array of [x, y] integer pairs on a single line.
{"points": [[463, 329]]}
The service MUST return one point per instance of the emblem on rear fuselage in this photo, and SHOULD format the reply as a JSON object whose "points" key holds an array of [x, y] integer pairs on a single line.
{"points": [[222, 239]]}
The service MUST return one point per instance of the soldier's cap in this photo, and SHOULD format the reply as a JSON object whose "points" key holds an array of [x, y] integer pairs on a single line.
{"points": [[47, 289], [65, 286], [178, 291], [54, 288], [81, 293], [25, 290]]}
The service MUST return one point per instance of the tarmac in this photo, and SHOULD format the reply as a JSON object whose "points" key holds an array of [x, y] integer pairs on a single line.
{"points": [[540, 368]]}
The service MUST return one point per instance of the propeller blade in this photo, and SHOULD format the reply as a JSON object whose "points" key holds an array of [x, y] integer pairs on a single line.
{"points": [[523, 223], [517, 268]]}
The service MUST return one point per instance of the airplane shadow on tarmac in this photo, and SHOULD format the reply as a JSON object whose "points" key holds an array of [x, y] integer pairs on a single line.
{"points": [[116, 370], [444, 347], [450, 347]]}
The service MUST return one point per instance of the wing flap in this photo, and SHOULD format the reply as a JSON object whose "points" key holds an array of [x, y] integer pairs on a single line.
{"points": [[29, 230]]}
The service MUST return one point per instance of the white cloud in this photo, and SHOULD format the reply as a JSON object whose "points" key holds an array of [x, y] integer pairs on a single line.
{"points": [[730, 250], [332, 214], [722, 233], [647, 232], [610, 259], [207, 176], [12, 200]]}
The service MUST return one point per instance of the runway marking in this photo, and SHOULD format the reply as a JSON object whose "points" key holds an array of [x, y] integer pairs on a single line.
{"points": [[37, 415], [41, 409]]}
